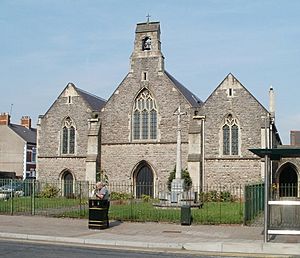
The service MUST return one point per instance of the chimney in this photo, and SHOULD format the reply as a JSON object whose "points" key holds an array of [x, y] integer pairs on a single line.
{"points": [[26, 121], [4, 119], [295, 138], [272, 102]]}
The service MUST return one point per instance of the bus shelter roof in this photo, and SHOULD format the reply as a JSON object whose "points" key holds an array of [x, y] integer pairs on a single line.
{"points": [[277, 153]]}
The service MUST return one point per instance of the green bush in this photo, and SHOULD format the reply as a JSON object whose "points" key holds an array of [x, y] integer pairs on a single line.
{"points": [[226, 197], [120, 196], [185, 175], [49, 191], [146, 198], [215, 196]]}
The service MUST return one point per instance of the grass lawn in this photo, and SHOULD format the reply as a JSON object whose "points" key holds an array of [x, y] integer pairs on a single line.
{"points": [[210, 213]]}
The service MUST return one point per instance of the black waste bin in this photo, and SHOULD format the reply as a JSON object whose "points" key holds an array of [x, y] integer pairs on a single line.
{"points": [[98, 214], [186, 215]]}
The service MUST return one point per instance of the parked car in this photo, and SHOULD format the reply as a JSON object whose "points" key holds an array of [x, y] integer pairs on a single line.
{"points": [[16, 188]]}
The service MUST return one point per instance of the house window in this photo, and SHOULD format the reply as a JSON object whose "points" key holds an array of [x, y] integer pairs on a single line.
{"points": [[230, 131], [31, 155], [28, 156], [33, 158], [144, 117], [68, 137]]}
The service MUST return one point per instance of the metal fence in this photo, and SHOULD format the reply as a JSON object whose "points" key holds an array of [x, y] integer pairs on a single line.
{"points": [[281, 216], [254, 202], [142, 202]]}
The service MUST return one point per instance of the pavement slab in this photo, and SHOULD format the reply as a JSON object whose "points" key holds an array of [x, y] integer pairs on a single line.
{"points": [[149, 235]]}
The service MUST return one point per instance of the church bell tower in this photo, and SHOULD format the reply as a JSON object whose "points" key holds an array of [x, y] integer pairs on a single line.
{"points": [[147, 53]]}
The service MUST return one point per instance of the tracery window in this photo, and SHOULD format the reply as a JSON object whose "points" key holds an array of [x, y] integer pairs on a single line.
{"points": [[68, 137], [230, 132], [144, 117]]}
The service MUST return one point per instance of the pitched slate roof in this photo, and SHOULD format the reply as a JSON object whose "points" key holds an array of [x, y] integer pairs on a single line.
{"points": [[28, 135], [95, 102], [191, 98]]}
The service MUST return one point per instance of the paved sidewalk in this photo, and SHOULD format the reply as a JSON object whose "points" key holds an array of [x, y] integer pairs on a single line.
{"points": [[201, 238]]}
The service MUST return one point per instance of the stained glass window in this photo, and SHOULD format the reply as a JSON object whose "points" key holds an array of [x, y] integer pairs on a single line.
{"points": [[68, 137], [230, 136], [136, 125], [226, 135], [144, 124], [153, 124], [71, 140], [65, 140], [234, 140]]}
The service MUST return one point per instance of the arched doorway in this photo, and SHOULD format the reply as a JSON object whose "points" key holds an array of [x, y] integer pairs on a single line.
{"points": [[143, 177], [288, 181], [68, 184]]}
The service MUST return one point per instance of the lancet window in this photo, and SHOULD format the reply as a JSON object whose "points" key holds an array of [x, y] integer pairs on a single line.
{"points": [[230, 131], [68, 137]]}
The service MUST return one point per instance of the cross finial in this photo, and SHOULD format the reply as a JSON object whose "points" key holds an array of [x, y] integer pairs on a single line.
{"points": [[148, 18]]}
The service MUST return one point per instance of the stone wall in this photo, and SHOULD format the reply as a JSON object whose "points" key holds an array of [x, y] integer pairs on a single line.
{"points": [[117, 119], [120, 161], [53, 168], [232, 169], [50, 160], [232, 172]]}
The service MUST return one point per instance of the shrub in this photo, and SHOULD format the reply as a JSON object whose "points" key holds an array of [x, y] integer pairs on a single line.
{"points": [[215, 196], [226, 197], [49, 191], [120, 196], [146, 198]]}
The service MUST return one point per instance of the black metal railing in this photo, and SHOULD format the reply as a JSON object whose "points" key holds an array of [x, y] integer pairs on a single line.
{"points": [[134, 202]]}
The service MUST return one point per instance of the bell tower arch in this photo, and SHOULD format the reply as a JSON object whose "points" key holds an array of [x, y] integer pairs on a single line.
{"points": [[147, 48]]}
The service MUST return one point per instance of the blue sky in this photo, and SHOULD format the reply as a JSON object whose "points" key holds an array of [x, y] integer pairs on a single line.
{"points": [[46, 44]]}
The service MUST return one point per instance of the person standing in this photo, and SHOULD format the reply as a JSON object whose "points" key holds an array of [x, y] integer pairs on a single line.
{"points": [[101, 192]]}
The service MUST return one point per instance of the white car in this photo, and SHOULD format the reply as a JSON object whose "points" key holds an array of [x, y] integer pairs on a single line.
{"points": [[16, 188]]}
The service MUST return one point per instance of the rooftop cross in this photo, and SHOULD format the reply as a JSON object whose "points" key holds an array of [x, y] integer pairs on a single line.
{"points": [[148, 18]]}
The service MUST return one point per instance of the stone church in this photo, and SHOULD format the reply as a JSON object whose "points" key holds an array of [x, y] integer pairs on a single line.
{"points": [[132, 137]]}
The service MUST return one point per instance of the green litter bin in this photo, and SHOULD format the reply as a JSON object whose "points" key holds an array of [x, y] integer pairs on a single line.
{"points": [[186, 215]]}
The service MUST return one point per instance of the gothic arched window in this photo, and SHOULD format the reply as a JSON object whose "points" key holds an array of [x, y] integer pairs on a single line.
{"points": [[230, 131], [68, 137], [144, 117]]}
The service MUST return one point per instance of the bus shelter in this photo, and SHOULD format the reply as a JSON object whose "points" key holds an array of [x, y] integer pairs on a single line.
{"points": [[285, 210]]}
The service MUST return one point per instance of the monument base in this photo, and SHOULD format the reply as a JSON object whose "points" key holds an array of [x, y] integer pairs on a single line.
{"points": [[178, 196], [176, 190]]}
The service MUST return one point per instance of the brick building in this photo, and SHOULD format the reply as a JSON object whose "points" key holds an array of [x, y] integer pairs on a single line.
{"points": [[295, 138], [17, 148]]}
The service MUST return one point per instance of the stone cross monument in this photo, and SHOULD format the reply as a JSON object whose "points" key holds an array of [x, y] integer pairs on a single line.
{"points": [[177, 183]]}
